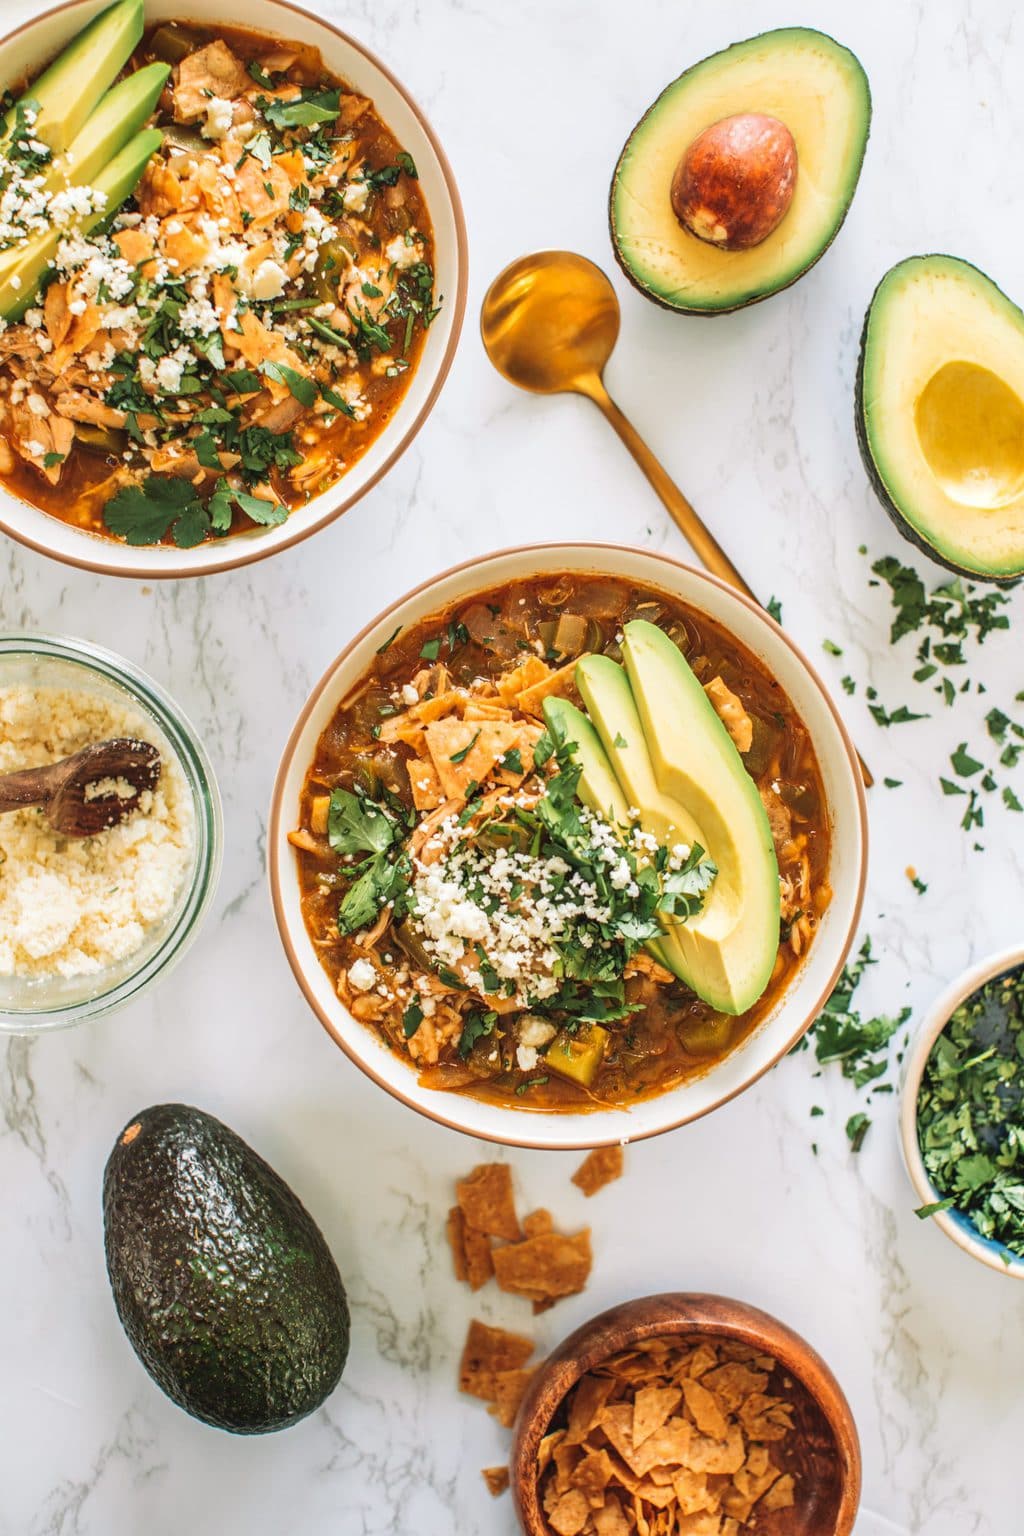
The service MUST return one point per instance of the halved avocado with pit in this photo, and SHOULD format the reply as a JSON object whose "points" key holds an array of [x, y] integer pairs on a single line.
{"points": [[940, 414], [797, 76]]}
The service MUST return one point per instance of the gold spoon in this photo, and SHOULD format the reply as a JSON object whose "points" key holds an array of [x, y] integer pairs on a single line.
{"points": [[549, 323], [62, 788]]}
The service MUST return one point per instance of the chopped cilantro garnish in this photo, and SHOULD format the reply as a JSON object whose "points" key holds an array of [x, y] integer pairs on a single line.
{"points": [[970, 1113]]}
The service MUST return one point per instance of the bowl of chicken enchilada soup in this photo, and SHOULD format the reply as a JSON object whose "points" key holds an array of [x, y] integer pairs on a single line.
{"points": [[568, 846], [232, 280]]}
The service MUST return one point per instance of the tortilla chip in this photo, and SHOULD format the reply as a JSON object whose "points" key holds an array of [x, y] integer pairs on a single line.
{"points": [[528, 672], [537, 1223], [651, 1407], [545, 1267], [425, 784], [603, 1166], [479, 1262], [669, 1446], [547, 1448], [692, 1492], [487, 1353], [531, 700], [781, 1495], [464, 752], [617, 1422], [699, 1525], [487, 1201], [765, 1418], [733, 1382], [588, 1401], [455, 1230], [496, 1478], [610, 1520], [570, 1514], [507, 1394], [592, 1476], [707, 1455], [705, 1410]]}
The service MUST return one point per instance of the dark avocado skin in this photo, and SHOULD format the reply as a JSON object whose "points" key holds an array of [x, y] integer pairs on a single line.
{"points": [[907, 529], [223, 1282], [757, 298]]}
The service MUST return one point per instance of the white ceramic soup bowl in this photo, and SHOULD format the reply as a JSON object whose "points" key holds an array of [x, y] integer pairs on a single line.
{"points": [[958, 1227], [812, 983], [22, 55]]}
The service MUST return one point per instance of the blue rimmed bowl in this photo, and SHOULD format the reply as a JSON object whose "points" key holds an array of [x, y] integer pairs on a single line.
{"points": [[958, 1227]]}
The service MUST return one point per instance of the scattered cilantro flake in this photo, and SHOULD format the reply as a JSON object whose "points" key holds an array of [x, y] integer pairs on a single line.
{"points": [[857, 1128]]}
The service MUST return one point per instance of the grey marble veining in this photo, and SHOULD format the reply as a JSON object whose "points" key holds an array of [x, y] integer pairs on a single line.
{"points": [[753, 414]]}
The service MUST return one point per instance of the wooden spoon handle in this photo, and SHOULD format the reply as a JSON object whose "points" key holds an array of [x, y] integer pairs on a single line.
{"points": [[703, 543], [30, 786]]}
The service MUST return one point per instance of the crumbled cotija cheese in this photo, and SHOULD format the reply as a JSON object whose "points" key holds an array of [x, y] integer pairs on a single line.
{"points": [[74, 906]]}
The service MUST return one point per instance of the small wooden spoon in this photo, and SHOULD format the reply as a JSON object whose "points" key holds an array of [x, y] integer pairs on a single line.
{"points": [[61, 788]]}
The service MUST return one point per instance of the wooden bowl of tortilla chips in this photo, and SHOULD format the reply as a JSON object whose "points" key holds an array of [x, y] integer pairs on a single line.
{"points": [[685, 1415]]}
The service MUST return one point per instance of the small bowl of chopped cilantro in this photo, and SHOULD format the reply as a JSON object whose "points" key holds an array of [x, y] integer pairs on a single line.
{"points": [[962, 1121]]}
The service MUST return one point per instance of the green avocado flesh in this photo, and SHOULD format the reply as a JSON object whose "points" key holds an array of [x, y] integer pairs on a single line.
{"points": [[125, 109], [806, 80], [675, 761], [66, 93], [19, 281], [940, 414], [221, 1279], [598, 788]]}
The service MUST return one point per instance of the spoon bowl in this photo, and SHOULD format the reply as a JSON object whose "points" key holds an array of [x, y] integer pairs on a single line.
{"points": [[76, 793], [549, 321]]}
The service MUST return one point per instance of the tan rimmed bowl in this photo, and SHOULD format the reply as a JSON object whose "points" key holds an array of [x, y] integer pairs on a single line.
{"points": [[24, 51], [811, 984], [823, 1449]]}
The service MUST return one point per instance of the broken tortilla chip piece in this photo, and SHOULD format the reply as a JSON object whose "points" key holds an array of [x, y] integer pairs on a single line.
{"points": [[487, 1353], [537, 1223], [603, 1166], [545, 1267], [455, 1230], [496, 1478], [487, 1202]]}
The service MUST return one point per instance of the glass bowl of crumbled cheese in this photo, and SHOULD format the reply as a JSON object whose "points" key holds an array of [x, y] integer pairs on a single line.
{"points": [[86, 924]]}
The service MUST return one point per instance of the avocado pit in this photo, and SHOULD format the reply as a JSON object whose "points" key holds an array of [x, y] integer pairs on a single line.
{"points": [[734, 184]]}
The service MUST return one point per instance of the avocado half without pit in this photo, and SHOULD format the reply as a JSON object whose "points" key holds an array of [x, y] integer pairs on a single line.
{"points": [[739, 176], [940, 414]]}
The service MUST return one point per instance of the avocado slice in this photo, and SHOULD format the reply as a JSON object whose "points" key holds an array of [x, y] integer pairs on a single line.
{"points": [[19, 281], [125, 109], [598, 787], [66, 93], [940, 414], [806, 80], [222, 1280], [606, 692], [731, 946]]}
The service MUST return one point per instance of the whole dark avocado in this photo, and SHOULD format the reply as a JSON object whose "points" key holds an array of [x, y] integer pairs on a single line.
{"points": [[223, 1282]]}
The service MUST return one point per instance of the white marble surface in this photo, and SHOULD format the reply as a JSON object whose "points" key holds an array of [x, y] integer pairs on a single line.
{"points": [[753, 414]]}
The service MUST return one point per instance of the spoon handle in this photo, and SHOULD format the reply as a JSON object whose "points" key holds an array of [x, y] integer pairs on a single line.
{"points": [[705, 546], [703, 543], [30, 786]]}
